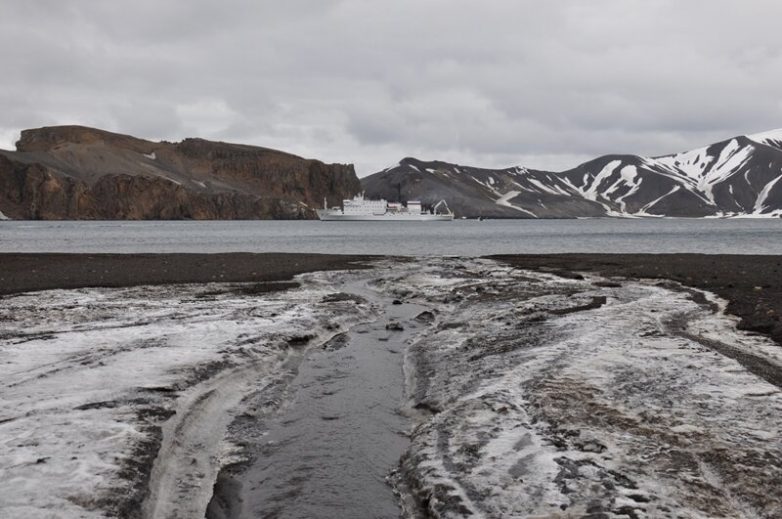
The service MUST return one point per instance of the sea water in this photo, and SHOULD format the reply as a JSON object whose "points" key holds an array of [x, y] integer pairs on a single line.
{"points": [[460, 237]]}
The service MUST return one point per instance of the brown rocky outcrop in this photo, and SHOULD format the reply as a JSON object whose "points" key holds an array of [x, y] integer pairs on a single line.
{"points": [[73, 172]]}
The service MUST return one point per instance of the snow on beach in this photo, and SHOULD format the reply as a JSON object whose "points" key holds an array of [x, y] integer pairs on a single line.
{"points": [[95, 381], [549, 397], [531, 395]]}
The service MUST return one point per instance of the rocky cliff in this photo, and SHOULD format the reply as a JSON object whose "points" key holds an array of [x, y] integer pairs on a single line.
{"points": [[73, 172]]}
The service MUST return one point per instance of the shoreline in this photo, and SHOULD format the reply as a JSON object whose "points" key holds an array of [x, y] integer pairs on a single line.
{"points": [[749, 279], [752, 284], [28, 272]]}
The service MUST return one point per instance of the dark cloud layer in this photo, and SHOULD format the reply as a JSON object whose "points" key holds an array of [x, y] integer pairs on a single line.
{"points": [[495, 83]]}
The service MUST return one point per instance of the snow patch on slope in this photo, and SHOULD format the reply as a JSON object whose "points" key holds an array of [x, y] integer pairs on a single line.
{"points": [[554, 190], [761, 200], [770, 138], [731, 159], [693, 164], [703, 171], [592, 192], [504, 201], [644, 211], [630, 178]]}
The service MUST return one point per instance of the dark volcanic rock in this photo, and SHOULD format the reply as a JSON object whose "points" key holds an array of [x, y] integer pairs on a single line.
{"points": [[73, 172], [394, 326]]}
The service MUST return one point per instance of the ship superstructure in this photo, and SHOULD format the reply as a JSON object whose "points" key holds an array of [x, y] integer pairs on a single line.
{"points": [[359, 208]]}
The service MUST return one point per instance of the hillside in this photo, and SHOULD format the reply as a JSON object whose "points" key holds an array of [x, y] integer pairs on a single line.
{"points": [[74, 172], [735, 177]]}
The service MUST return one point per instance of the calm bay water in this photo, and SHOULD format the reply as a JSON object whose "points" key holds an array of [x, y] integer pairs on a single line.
{"points": [[461, 237]]}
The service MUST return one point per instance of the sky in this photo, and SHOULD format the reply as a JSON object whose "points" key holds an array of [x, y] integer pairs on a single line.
{"points": [[495, 83]]}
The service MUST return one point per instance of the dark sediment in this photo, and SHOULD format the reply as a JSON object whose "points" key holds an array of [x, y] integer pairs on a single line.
{"points": [[28, 272], [751, 284]]}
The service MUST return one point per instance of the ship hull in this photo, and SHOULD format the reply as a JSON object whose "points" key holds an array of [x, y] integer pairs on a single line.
{"points": [[337, 217]]}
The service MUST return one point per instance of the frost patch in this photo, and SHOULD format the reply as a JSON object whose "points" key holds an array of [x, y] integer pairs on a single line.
{"points": [[98, 382], [531, 410]]}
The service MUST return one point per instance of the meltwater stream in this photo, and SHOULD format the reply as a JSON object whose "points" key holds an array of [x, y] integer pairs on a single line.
{"points": [[328, 453]]}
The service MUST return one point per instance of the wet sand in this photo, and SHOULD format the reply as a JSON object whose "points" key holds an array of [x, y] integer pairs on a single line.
{"points": [[752, 284], [22, 272]]}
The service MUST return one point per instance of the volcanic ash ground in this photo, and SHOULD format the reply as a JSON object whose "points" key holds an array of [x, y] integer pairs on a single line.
{"points": [[529, 395]]}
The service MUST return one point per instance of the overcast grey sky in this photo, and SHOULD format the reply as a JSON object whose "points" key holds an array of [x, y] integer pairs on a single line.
{"points": [[488, 83]]}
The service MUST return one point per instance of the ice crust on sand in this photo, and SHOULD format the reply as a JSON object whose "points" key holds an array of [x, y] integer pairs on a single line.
{"points": [[549, 397], [531, 395], [92, 378]]}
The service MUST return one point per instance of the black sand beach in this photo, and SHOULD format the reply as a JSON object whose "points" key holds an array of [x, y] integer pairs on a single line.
{"points": [[751, 284], [20, 272], [503, 317]]}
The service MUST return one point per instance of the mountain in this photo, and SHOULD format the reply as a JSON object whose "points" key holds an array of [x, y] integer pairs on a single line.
{"points": [[736, 177], [75, 172]]}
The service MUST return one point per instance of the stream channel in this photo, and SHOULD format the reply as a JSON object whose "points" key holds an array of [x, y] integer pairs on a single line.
{"points": [[329, 451]]}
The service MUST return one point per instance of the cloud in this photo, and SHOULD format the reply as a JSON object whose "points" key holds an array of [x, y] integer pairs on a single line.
{"points": [[498, 83]]}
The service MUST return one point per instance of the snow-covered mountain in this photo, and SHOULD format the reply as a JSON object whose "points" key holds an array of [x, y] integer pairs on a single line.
{"points": [[737, 177]]}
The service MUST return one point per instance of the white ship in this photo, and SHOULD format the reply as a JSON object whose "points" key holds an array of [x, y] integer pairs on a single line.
{"points": [[361, 209]]}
